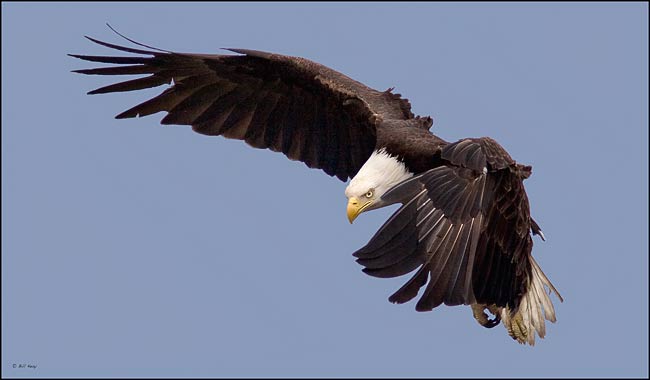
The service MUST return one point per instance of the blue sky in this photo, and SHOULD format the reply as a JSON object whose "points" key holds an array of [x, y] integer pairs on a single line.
{"points": [[135, 249]]}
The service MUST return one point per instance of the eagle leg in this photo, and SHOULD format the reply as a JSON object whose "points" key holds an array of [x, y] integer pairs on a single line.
{"points": [[482, 318]]}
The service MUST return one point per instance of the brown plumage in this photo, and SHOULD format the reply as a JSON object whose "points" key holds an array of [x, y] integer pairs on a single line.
{"points": [[305, 110], [464, 226]]}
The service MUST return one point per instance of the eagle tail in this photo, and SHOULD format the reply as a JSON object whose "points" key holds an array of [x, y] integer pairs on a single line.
{"points": [[534, 308]]}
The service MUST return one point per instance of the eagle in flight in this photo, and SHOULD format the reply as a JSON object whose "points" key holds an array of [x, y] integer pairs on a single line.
{"points": [[464, 226]]}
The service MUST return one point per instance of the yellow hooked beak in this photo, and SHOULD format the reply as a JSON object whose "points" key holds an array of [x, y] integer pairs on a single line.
{"points": [[355, 207]]}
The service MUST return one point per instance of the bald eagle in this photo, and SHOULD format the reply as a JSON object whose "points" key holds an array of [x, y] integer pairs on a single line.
{"points": [[464, 225]]}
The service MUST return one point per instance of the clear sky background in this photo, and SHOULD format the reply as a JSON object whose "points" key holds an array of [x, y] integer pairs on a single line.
{"points": [[135, 249]]}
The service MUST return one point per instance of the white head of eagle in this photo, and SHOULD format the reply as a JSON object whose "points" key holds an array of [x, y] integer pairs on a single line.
{"points": [[381, 172]]}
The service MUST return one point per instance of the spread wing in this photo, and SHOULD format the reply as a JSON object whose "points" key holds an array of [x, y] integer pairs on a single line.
{"points": [[305, 110], [466, 225]]}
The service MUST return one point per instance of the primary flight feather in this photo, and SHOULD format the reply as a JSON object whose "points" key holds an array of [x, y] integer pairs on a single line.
{"points": [[464, 226]]}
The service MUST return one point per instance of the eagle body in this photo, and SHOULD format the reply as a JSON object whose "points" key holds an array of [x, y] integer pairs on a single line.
{"points": [[463, 229]]}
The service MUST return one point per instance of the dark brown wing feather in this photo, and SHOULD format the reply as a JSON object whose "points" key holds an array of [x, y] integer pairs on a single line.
{"points": [[287, 104], [503, 255], [466, 228]]}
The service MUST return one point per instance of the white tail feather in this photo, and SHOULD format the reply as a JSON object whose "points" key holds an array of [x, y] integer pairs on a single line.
{"points": [[534, 308]]}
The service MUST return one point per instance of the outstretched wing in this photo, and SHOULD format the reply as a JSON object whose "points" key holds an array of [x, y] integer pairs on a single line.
{"points": [[287, 104], [466, 225]]}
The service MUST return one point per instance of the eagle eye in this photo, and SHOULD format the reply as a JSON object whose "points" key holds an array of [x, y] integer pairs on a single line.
{"points": [[369, 193]]}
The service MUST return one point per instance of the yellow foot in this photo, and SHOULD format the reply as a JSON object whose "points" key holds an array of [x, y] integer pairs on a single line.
{"points": [[482, 318]]}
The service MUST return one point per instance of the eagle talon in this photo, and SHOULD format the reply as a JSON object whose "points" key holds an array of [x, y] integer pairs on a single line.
{"points": [[492, 322], [483, 319]]}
